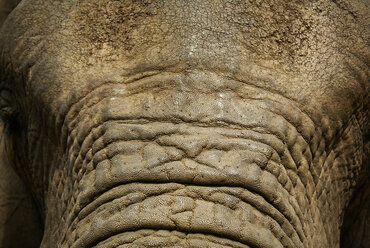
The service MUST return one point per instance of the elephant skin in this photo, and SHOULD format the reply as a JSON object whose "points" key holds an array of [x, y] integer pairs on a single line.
{"points": [[189, 123], [20, 224]]}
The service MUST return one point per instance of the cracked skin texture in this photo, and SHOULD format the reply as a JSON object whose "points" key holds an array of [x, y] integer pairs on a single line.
{"points": [[189, 123]]}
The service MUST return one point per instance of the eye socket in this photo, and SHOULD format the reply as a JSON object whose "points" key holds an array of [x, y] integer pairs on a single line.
{"points": [[7, 105]]}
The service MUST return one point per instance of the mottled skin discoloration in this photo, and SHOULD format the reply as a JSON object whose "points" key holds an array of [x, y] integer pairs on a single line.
{"points": [[188, 123]]}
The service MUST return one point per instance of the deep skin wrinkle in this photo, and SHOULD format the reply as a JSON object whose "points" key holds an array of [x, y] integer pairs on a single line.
{"points": [[159, 121]]}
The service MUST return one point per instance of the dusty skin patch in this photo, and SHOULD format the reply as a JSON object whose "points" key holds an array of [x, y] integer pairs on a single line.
{"points": [[112, 23]]}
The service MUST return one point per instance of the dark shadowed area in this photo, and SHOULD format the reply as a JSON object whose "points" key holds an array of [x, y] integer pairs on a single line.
{"points": [[20, 224]]}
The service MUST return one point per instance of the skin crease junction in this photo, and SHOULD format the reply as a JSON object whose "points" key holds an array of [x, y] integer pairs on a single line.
{"points": [[173, 123]]}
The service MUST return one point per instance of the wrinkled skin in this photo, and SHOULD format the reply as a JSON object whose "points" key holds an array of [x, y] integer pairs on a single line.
{"points": [[189, 123]]}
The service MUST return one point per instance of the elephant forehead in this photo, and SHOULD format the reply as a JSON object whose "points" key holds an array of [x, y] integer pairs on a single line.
{"points": [[108, 29], [67, 46], [188, 27]]}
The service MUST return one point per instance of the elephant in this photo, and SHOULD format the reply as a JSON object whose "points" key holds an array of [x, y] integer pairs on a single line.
{"points": [[189, 123]]}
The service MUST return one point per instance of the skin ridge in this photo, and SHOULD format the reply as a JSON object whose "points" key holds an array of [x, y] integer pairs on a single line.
{"points": [[153, 119], [72, 128], [187, 236], [154, 138], [76, 165], [138, 78], [147, 197], [81, 216], [220, 236]]}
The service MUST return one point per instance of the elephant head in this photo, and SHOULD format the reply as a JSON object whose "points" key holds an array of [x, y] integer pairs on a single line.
{"points": [[188, 123]]}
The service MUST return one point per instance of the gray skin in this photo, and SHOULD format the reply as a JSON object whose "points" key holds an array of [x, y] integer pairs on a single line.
{"points": [[192, 123]]}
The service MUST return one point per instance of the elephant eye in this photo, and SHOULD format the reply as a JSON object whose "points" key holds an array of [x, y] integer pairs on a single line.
{"points": [[7, 105]]}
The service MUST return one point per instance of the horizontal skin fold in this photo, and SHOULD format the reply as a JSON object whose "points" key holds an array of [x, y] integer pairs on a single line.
{"points": [[125, 138], [130, 156], [228, 196], [180, 206], [148, 177], [160, 238]]}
